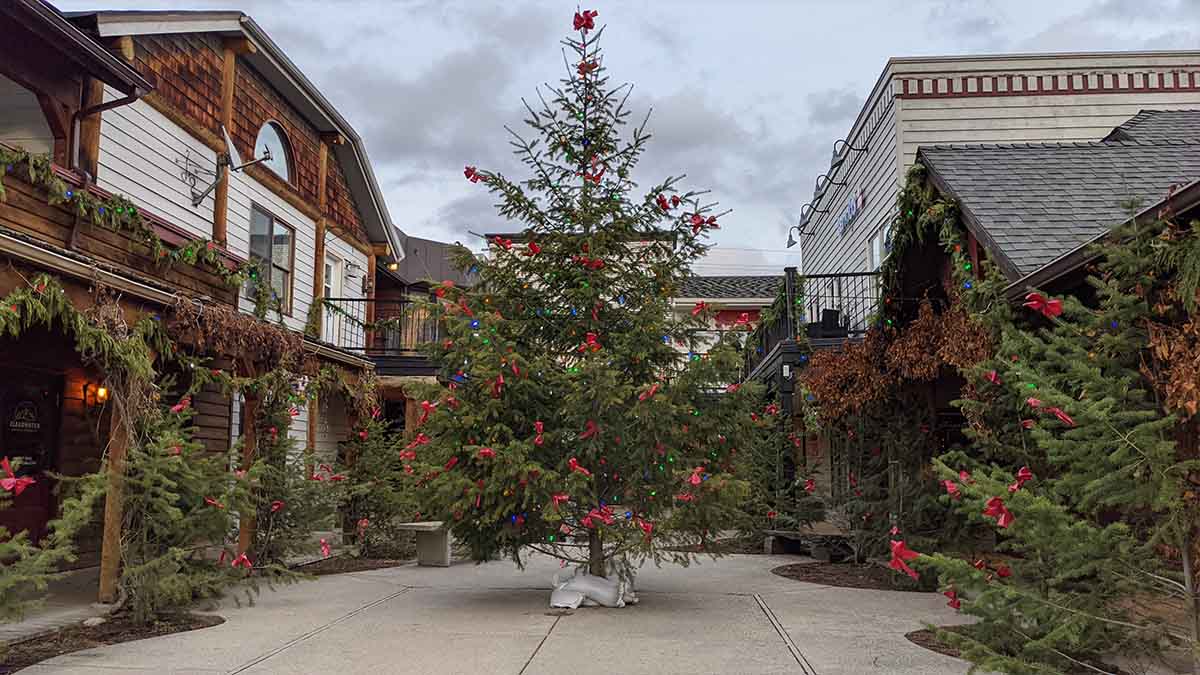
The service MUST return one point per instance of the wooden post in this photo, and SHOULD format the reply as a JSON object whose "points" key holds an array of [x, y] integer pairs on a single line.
{"points": [[220, 233], [89, 128], [110, 547], [370, 284], [249, 445], [310, 446]]}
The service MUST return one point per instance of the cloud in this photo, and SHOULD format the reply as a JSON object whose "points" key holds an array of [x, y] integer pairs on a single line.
{"points": [[833, 107]]}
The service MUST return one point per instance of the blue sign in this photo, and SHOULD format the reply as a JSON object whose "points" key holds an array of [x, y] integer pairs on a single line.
{"points": [[854, 206]]}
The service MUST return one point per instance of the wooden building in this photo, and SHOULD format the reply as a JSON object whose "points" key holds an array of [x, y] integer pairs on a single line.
{"points": [[210, 132]]}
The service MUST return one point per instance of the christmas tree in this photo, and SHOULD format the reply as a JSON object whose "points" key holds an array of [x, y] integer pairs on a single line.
{"points": [[1077, 471], [378, 492], [571, 421]]}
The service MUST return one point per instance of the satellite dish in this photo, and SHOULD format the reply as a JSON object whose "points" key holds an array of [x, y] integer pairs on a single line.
{"points": [[230, 149]]}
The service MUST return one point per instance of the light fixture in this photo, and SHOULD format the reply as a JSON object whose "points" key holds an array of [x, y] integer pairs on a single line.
{"points": [[101, 394], [94, 394], [393, 266]]}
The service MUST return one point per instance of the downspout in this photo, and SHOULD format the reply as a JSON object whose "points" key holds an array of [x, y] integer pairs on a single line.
{"points": [[78, 115]]}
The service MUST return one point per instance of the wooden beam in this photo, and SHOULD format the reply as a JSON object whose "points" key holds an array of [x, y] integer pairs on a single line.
{"points": [[58, 118], [110, 546], [89, 128], [333, 138], [310, 446], [221, 198], [249, 446], [370, 282], [240, 45], [382, 250], [319, 248], [124, 47]]}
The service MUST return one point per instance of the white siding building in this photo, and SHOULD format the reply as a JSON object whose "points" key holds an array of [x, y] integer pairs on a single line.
{"points": [[927, 101]]}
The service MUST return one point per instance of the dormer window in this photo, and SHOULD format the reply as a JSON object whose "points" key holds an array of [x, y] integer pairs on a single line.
{"points": [[272, 139]]}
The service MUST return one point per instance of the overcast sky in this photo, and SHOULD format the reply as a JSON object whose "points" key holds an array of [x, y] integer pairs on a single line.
{"points": [[748, 95]]}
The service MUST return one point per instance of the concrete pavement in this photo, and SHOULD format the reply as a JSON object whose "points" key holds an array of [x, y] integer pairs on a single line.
{"points": [[726, 616]]}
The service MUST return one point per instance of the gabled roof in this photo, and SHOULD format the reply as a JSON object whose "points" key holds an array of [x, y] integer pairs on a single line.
{"points": [[765, 287], [57, 33], [426, 260], [1159, 125], [1030, 203], [270, 61]]}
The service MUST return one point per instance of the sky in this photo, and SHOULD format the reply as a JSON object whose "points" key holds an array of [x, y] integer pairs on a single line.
{"points": [[746, 96]]}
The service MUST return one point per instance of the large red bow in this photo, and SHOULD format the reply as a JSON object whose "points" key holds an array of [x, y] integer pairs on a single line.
{"points": [[592, 342], [585, 21], [1024, 475], [420, 440], [241, 561], [901, 553], [573, 464], [649, 392], [810, 486], [996, 509], [213, 503], [952, 489], [427, 409], [558, 498], [498, 386], [533, 249], [538, 427], [277, 505], [182, 405], [486, 453], [1050, 308], [590, 429], [700, 307], [440, 291], [10, 482], [954, 601], [503, 243], [993, 377], [472, 175], [662, 203], [1062, 416], [325, 551]]}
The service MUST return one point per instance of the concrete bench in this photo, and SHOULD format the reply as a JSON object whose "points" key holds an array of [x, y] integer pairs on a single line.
{"points": [[823, 541], [433, 542]]}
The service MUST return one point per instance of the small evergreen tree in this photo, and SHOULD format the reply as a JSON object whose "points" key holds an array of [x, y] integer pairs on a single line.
{"points": [[379, 493], [570, 422]]}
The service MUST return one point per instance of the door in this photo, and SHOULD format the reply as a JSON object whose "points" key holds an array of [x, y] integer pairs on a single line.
{"points": [[29, 419], [334, 328]]}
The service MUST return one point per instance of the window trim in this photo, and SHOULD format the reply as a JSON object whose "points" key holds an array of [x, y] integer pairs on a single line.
{"points": [[276, 221], [288, 154]]}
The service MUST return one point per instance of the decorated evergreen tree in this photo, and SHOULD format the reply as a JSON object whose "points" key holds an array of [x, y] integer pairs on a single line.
{"points": [[1077, 469], [379, 494], [568, 421]]}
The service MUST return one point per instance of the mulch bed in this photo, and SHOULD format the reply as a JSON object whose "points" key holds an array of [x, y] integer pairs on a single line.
{"points": [[928, 639], [343, 563], [846, 575], [117, 629]]}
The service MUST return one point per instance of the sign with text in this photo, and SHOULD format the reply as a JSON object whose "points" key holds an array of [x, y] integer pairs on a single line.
{"points": [[854, 205]]}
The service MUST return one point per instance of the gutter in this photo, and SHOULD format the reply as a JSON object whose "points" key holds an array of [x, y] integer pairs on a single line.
{"points": [[338, 355]]}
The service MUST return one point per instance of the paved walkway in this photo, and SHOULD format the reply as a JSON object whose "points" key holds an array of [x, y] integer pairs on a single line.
{"points": [[70, 598], [726, 616]]}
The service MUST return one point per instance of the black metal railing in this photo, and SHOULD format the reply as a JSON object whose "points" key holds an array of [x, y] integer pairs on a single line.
{"points": [[827, 309], [378, 327]]}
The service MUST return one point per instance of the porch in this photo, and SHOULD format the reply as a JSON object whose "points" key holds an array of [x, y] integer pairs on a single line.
{"points": [[390, 332]]}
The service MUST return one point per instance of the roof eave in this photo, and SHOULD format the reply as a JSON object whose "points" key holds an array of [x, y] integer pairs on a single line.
{"points": [[85, 51]]}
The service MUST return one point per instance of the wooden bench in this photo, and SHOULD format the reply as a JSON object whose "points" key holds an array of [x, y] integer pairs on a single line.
{"points": [[433, 542]]}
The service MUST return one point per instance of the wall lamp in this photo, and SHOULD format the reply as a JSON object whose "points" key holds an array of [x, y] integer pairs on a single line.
{"points": [[98, 396]]}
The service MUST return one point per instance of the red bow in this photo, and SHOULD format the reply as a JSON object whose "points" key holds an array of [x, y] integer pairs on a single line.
{"points": [[361, 434], [1024, 475], [241, 561], [743, 319], [952, 489], [420, 440], [996, 509], [646, 526], [649, 392], [427, 409], [472, 175], [685, 497], [10, 482], [558, 498], [586, 67], [592, 343], [486, 453], [662, 203], [533, 249], [590, 429], [1028, 424], [408, 455], [697, 222], [732, 389], [1050, 308], [573, 464], [1062, 416], [538, 427], [324, 549], [1033, 402], [700, 307], [503, 243], [277, 505], [362, 525], [993, 377], [810, 486], [498, 386], [1003, 572], [213, 503], [451, 463], [182, 405], [462, 304], [954, 601], [695, 478], [771, 409], [586, 21], [965, 477], [441, 290], [901, 553]]}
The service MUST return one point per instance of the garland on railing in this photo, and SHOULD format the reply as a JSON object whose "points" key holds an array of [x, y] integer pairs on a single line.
{"points": [[115, 213], [379, 325]]}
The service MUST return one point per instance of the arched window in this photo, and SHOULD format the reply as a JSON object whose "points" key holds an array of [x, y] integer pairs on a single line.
{"points": [[272, 138]]}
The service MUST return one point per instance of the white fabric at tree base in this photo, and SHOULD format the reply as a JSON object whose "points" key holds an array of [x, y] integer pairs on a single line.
{"points": [[588, 590]]}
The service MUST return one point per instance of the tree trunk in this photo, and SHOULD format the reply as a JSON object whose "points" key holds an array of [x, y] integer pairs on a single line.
{"points": [[596, 565]]}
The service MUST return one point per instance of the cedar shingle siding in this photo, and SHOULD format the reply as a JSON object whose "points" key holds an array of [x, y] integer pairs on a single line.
{"points": [[186, 70]]}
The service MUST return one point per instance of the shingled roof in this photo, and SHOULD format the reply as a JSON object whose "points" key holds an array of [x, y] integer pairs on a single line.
{"points": [[731, 287], [1159, 125], [1031, 202]]}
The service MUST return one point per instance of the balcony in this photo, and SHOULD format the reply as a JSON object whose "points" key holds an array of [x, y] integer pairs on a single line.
{"points": [[825, 309], [402, 326]]}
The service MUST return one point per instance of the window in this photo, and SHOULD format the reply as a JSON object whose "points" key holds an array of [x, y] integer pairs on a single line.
{"points": [[332, 289], [272, 139], [879, 247], [273, 245]]}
